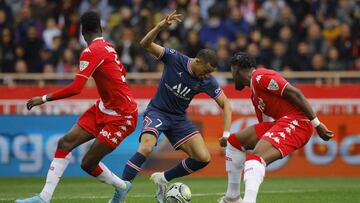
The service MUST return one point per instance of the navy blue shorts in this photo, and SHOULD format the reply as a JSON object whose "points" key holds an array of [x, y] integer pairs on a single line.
{"points": [[177, 129]]}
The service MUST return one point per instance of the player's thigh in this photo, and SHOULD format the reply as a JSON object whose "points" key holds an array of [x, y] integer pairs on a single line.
{"points": [[196, 148], [98, 150], [247, 137], [267, 151], [75, 137]]}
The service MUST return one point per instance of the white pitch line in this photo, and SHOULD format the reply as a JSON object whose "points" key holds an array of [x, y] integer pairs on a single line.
{"points": [[194, 195]]}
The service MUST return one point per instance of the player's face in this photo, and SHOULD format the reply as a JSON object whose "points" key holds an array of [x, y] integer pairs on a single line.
{"points": [[239, 78], [203, 71]]}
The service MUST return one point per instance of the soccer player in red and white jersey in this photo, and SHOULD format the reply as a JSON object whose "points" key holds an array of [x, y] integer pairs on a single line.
{"points": [[109, 121], [292, 125]]}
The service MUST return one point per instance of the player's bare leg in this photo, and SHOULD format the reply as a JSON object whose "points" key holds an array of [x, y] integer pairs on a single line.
{"points": [[254, 170], [66, 144], [92, 165], [235, 158]]}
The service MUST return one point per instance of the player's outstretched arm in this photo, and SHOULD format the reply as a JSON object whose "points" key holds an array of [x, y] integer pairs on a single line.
{"points": [[224, 104], [148, 41], [296, 97], [73, 89]]}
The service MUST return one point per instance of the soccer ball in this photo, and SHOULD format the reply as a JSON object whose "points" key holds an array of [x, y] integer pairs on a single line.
{"points": [[178, 193]]}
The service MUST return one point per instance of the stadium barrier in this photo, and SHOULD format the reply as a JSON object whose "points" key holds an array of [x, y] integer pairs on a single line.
{"points": [[28, 138]]}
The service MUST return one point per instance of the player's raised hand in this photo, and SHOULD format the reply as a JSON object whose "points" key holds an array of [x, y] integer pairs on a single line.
{"points": [[223, 141], [324, 133], [169, 19], [35, 101]]}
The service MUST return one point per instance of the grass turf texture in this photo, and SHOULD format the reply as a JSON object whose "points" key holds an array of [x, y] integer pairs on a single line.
{"points": [[204, 190]]}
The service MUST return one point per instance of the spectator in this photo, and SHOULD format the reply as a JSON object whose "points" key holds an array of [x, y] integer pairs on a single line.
{"points": [[334, 62], [236, 24], [26, 21], [316, 41], [67, 63], [279, 60], [286, 36], [126, 48], [301, 61], [347, 45], [265, 51], [318, 62], [192, 44], [32, 46], [213, 29], [223, 58], [50, 32], [21, 66], [193, 19], [7, 51]]}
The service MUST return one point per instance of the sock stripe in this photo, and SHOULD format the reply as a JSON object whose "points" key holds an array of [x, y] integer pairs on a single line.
{"points": [[255, 157], [132, 165], [97, 171], [235, 142], [59, 153], [186, 167]]}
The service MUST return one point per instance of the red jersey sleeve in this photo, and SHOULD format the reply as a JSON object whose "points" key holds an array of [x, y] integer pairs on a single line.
{"points": [[89, 61], [273, 83]]}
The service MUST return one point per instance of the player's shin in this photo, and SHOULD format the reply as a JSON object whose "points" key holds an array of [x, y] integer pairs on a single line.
{"points": [[133, 166], [56, 170], [235, 158], [254, 172], [185, 167], [103, 173]]}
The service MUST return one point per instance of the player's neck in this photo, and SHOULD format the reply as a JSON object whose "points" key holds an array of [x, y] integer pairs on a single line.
{"points": [[91, 38]]}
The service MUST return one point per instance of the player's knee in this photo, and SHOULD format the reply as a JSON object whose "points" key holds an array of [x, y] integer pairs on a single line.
{"points": [[87, 164], [65, 144], [203, 157], [147, 145]]}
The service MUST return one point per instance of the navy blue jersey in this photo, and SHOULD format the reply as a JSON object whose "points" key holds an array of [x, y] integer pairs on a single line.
{"points": [[178, 86]]}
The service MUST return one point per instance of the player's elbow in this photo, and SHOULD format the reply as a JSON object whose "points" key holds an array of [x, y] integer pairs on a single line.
{"points": [[144, 44]]}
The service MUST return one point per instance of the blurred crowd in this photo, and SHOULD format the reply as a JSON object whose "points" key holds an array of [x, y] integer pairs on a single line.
{"points": [[301, 35]]}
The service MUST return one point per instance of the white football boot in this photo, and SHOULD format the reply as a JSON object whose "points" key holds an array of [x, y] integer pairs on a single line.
{"points": [[159, 179], [225, 199]]}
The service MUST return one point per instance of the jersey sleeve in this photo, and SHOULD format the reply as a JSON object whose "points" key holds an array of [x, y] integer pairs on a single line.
{"points": [[273, 83], [212, 88], [168, 55], [89, 61]]}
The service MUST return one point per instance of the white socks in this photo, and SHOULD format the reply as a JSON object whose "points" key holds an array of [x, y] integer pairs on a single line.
{"points": [[234, 166], [254, 173], [57, 168], [109, 177]]}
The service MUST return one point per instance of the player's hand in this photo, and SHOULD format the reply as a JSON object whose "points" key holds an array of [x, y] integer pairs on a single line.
{"points": [[35, 101], [223, 141], [324, 133], [169, 19]]}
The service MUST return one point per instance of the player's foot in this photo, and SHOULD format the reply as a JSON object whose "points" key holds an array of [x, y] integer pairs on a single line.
{"points": [[159, 179], [120, 194], [225, 199], [34, 199]]}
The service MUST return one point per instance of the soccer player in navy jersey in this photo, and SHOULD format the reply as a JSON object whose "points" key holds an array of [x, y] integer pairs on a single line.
{"points": [[182, 79]]}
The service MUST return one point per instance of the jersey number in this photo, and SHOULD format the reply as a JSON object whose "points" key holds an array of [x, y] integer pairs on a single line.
{"points": [[116, 58]]}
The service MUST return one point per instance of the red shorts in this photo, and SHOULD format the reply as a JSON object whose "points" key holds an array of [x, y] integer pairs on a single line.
{"points": [[286, 134], [109, 129]]}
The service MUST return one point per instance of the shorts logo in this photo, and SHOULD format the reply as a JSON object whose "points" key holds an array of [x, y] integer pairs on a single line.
{"points": [[105, 133], [217, 91], [273, 85], [83, 65], [258, 78], [118, 133], [172, 51]]}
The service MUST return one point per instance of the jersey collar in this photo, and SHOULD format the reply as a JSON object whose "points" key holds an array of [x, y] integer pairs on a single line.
{"points": [[98, 38], [188, 66]]}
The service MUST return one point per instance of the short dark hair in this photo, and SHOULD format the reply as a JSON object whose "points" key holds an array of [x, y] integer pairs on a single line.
{"points": [[207, 56], [243, 60], [90, 22]]}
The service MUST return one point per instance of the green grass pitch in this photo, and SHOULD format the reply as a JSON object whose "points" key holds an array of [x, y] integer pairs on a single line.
{"points": [[204, 190]]}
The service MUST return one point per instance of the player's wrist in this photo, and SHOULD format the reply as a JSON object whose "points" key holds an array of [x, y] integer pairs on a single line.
{"points": [[44, 98], [315, 122], [226, 134]]}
